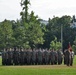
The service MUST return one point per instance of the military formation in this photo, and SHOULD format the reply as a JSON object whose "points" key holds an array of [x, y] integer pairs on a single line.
{"points": [[34, 57]]}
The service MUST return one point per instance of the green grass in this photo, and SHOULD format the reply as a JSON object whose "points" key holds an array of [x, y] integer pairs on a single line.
{"points": [[0, 60], [74, 60], [38, 70]]}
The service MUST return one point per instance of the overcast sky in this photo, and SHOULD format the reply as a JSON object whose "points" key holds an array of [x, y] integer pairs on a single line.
{"points": [[10, 9]]}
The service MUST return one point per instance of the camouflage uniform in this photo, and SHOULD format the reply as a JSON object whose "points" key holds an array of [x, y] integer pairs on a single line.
{"points": [[4, 57], [56, 57], [71, 57], [21, 57], [46, 57], [16, 57], [60, 57], [39, 57], [33, 59], [67, 56], [10, 56], [52, 57], [28, 57]]}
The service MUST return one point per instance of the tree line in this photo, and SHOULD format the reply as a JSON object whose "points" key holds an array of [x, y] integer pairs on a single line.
{"points": [[28, 32]]}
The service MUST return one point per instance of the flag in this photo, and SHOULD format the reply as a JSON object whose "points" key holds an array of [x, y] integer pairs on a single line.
{"points": [[69, 47]]}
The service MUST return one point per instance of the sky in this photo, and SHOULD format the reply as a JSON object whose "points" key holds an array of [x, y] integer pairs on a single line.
{"points": [[10, 9]]}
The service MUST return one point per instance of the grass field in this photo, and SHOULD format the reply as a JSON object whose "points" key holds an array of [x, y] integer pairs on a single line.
{"points": [[38, 69]]}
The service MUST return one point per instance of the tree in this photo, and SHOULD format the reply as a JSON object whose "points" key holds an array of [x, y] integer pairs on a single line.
{"points": [[24, 13], [20, 39], [52, 29], [55, 44], [6, 33], [34, 35], [33, 18], [68, 32]]}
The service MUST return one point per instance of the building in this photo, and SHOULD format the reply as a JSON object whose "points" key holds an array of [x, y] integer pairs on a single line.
{"points": [[73, 22], [44, 22]]}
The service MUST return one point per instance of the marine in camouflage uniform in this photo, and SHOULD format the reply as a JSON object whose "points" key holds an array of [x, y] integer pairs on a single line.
{"points": [[52, 57], [56, 57], [28, 57], [21, 57], [10, 57], [67, 56], [39, 57], [46, 57], [4, 57], [36, 57], [16, 56], [60, 57], [25, 58], [33, 59], [71, 57]]}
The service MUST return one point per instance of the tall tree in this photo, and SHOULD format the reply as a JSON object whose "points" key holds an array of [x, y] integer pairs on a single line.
{"points": [[35, 35], [33, 18], [6, 33], [52, 29], [67, 30], [24, 13], [19, 35]]}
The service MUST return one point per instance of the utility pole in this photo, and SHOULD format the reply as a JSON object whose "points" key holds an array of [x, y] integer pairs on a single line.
{"points": [[62, 37]]}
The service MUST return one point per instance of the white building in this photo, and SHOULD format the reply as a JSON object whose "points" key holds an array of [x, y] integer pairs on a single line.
{"points": [[73, 23], [44, 22]]}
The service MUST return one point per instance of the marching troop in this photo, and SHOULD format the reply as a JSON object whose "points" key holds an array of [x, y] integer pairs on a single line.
{"points": [[36, 57]]}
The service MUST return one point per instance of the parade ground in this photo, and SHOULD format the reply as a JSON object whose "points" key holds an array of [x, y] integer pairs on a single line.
{"points": [[38, 69]]}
